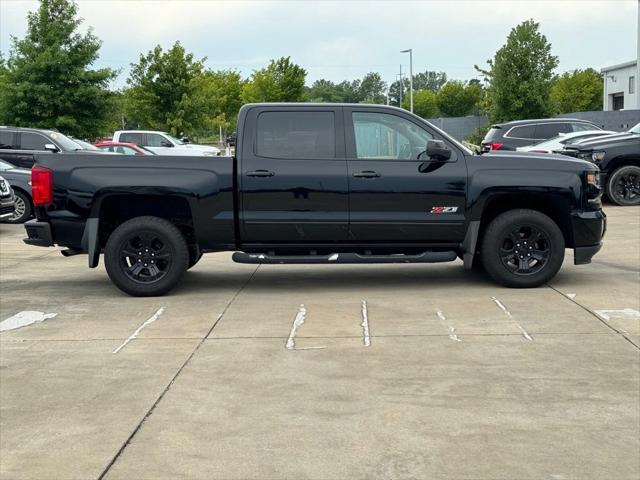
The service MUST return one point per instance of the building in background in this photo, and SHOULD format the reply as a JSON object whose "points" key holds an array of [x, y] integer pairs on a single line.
{"points": [[620, 86]]}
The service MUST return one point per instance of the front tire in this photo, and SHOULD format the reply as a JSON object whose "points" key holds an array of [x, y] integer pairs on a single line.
{"points": [[23, 209], [623, 186], [146, 256], [522, 249]]}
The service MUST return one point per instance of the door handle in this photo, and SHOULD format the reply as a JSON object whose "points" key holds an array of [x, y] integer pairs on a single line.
{"points": [[366, 174], [260, 173]]}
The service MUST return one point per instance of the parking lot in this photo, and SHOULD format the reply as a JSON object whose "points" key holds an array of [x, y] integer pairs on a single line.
{"points": [[327, 372]]}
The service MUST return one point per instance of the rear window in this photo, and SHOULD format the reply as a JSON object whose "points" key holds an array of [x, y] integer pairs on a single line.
{"points": [[131, 138], [296, 135], [494, 132], [524, 131], [548, 130]]}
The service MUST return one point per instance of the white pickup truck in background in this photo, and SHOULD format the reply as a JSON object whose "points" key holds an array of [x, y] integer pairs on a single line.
{"points": [[161, 143]]}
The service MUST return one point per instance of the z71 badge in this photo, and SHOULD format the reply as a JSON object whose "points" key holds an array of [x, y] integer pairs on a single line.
{"points": [[443, 209]]}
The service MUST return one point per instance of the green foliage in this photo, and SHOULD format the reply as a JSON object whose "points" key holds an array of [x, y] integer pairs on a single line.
{"points": [[371, 89], [281, 81], [476, 137], [427, 80], [46, 81], [520, 74], [577, 91], [425, 104], [217, 99], [455, 99], [162, 87]]}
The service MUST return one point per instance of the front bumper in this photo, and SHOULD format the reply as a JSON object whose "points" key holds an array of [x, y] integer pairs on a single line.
{"points": [[38, 234], [589, 228], [7, 206]]}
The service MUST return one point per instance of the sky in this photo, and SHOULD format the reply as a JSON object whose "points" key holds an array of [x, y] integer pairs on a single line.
{"points": [[343, 40]]}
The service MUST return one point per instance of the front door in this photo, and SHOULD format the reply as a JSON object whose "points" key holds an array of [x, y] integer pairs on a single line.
{"points": [[396, 193], [293, 176]]}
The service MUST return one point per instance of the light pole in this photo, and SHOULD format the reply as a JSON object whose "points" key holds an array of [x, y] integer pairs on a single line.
{"points": [[400, 86], [410, 52]]}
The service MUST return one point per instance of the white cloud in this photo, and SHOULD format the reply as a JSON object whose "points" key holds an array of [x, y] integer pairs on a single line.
{"points": [[346, 39]]}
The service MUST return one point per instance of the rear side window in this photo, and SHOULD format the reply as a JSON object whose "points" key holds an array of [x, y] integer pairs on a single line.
{"points": [[32, 141], [548, 130], [296, 135], [523, 131], [155, 140], [131, 138], [6, 139]]}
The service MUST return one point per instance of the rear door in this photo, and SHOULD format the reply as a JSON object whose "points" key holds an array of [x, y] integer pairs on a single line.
{"points": [[293, 176], [396, 193], [8, 148]]}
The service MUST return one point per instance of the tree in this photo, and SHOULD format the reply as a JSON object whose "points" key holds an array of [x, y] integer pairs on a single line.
{"points": [[47, 78], [429, 80], [281, 81], [162, 86], [520, 74], [323, 91], [372, 89], [217, 98], [577, 91], [455, 99], [425, 103]]}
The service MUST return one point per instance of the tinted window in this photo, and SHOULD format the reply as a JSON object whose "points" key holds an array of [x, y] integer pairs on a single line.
{"points": [[6, 139], [494, 132], [296, 135], [385, 136], [582, 127], [131, 138], [126, 150], [524, 131], [32, 141], [548, 130], [155, 140]]}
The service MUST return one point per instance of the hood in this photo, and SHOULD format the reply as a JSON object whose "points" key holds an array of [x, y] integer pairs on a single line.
{"points": [[607, 141], [202, 148], [542, 160]]}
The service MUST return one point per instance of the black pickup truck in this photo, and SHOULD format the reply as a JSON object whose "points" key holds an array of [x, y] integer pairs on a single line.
{"points": [[321, 183]]}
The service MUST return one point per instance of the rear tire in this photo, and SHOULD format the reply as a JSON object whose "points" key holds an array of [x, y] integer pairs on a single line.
{"points": [[146, 256], [522, 249], [623, 186]]}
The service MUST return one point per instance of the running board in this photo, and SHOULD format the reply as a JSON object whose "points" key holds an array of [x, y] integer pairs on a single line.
{"points": [[425, 257]]}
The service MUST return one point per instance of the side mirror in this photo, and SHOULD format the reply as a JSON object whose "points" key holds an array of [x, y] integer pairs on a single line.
{"points": [[438, 150], [50, 147], [185, 140], [166, 143]]}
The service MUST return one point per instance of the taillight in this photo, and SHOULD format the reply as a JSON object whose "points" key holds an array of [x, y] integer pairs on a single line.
{"points": [[41, 185], [496, 146]]}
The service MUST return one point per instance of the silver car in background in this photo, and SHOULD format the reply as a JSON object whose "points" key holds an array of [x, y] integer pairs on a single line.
{"points": [[7, 199]]}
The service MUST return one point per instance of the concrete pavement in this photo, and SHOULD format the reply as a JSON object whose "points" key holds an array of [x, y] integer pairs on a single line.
{"points": [[461, 379]]}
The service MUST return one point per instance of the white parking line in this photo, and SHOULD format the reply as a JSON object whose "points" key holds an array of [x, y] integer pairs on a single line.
{"points": [[297, 323], [22, 319], [366, 339], [153, 318], [508, 313], [452, 331]]}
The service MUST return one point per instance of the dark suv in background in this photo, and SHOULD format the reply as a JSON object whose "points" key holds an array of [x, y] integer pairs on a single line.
{"points": [[519, 133], [19, 145]]}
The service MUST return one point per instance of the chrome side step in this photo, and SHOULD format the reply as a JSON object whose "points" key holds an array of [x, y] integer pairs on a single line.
{"points": [[424, 257]]}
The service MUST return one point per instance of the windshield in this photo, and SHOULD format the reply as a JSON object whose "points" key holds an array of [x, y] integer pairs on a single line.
{"points": [[85, 145], [64, 142], [635, 129], [174, 139]]}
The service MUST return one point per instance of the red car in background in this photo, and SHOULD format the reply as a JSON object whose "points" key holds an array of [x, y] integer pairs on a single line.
{"points": [[123, 148]]}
